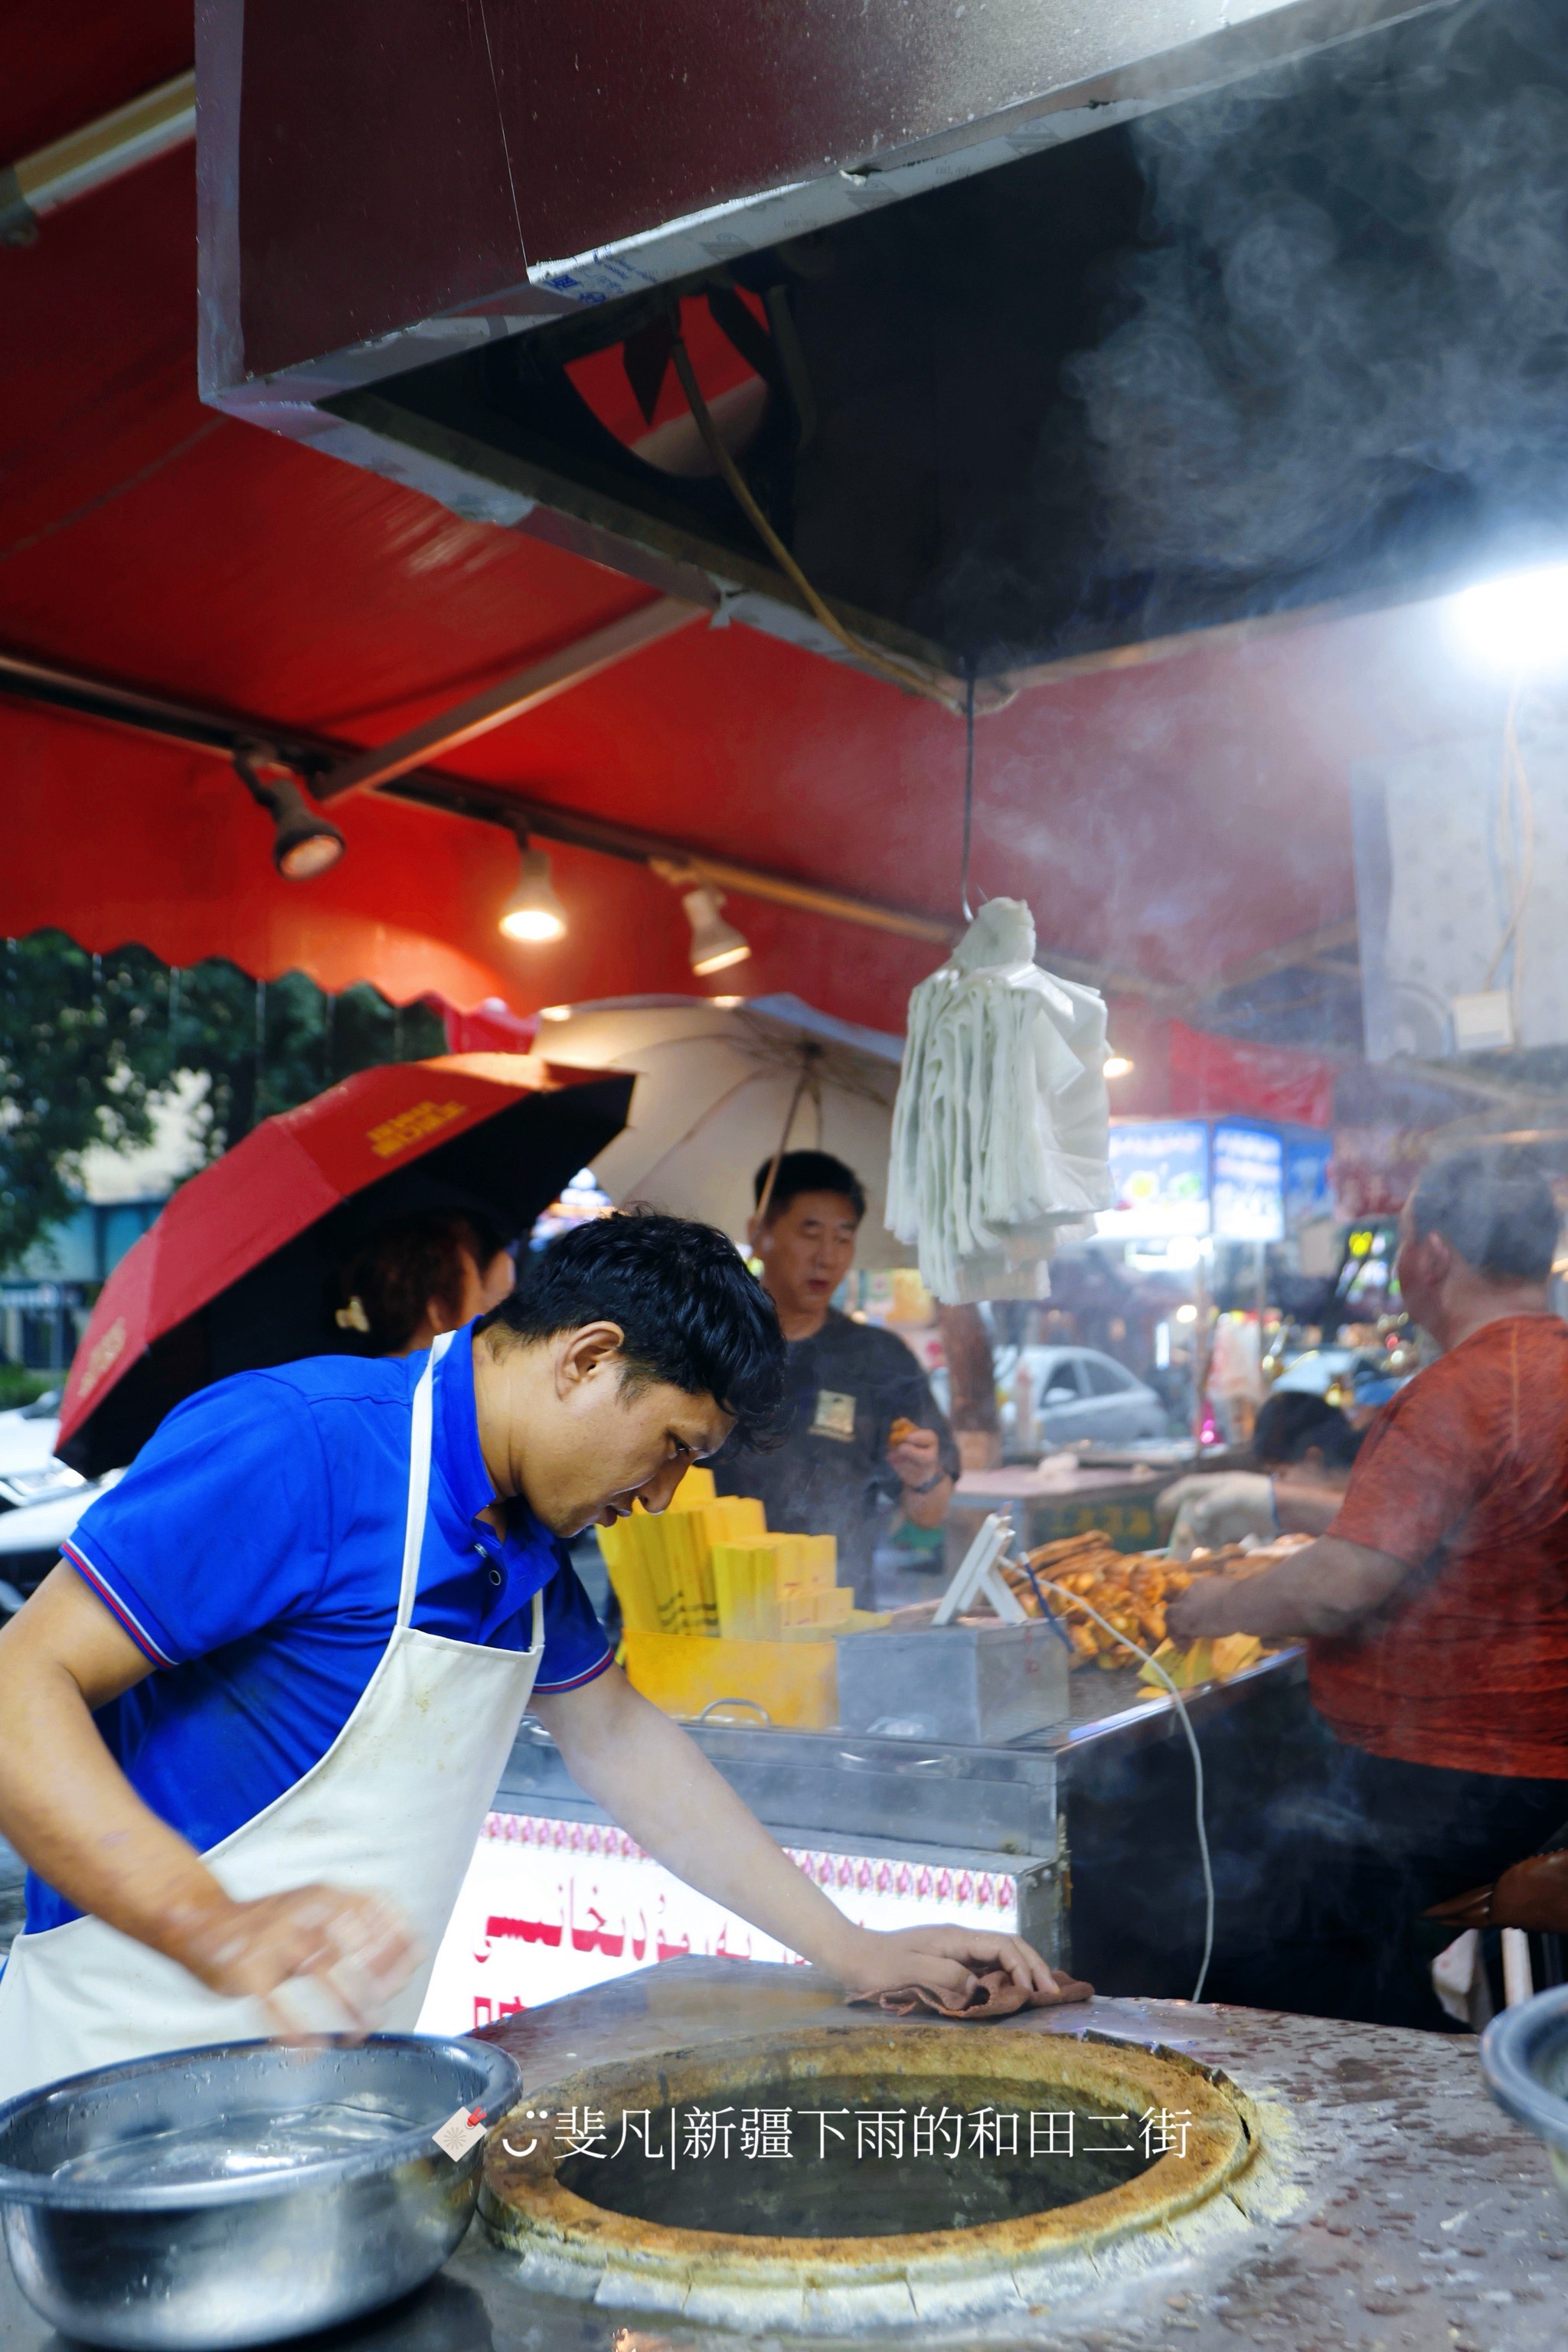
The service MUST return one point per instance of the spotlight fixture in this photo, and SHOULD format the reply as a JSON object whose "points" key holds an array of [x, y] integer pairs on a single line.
{"points": [[533, 913], [1518, 622], [1115, 1065], [715, 944], [304, 842]]}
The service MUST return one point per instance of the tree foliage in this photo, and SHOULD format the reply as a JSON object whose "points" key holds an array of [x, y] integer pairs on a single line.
{"points": [[88, 1043]]}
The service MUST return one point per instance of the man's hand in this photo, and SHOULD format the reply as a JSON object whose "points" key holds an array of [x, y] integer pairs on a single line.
{"points": [[915, 1453], [68, 1808], [948, 1960], [357, 1946], [1216, 1509], [1207, 1607]]}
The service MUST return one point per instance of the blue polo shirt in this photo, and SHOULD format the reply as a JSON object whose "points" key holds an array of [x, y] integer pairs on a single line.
{"points": [[254, 1551]]}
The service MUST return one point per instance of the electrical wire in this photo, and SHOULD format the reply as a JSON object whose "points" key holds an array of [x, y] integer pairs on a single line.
{"points": [[1516, 839], [906, 675], [968, 789], [1078, 1601]]}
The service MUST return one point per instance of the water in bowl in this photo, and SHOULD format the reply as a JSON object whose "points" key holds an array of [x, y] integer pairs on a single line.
{"points": [[233, 2147]]}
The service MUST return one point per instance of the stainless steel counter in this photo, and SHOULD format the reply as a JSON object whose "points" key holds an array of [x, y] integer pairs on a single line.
{"points": [[1025, 1808]]}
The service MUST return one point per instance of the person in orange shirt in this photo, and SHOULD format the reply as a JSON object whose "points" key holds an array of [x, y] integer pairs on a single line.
{"points": [[1435, 1608]]}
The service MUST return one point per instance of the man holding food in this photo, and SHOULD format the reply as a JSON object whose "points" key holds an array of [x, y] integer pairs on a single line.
{"points": [[865, 1432], [1435, 1606], [251, 1725]]}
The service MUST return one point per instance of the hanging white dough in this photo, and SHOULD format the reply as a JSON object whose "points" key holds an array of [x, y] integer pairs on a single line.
{"points": [[1001, 1130]]}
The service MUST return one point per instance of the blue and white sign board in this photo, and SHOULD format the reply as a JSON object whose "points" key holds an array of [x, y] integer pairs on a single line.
{"points": [[1248, 1183], [1161, 1171], [1309, 1194]]}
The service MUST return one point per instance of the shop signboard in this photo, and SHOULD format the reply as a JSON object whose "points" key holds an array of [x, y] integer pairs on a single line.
{"points": [[1309, 1194], [551, 1906], [1248, 1183], [1161, 1171]]}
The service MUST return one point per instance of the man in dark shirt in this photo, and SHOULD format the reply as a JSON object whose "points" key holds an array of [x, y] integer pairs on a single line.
{"points": [[851, 1387]]}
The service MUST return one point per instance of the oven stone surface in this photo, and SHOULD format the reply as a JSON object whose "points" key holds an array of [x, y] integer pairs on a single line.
{"points": [[1401, 2212]]}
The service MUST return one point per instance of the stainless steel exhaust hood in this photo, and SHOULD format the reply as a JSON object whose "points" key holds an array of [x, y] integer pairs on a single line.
{"points": [[421, 224]]}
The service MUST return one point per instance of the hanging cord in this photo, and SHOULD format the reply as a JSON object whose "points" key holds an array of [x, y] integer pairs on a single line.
{"points": [[968, 789], [809, 1056], [1516, 836], [906, 675], [1125, 1640]]}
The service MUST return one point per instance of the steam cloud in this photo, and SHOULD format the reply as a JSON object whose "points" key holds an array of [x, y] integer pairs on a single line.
{"points": [[1351, 321]]}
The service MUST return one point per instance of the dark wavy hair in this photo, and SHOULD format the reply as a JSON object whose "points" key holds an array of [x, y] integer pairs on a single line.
{"points": [[808, 1172], [383, 1290], [1293, 1421], [689, 1311]]}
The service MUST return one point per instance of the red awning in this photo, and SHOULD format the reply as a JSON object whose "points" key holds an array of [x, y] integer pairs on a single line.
{"points": [[1164, 819]]}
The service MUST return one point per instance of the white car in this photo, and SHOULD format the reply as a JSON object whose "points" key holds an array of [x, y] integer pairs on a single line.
{"points": [[1073, 1393], [41, 1499]]}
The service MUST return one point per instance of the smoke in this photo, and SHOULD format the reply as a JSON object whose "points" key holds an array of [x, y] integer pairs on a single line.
{"points": [[1347, 329]]}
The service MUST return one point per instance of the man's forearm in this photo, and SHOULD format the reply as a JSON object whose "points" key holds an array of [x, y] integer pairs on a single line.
{"points": [[658, 1784], [74, 1817], [1325, 1588]]}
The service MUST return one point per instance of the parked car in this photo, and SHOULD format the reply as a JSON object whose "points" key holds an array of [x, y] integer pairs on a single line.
{"points": [[1074, 1393], [28, 1464], [41, 1499]]}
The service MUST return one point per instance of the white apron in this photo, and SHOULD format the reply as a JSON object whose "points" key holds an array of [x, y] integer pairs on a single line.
{"points": [[393, 1808]]}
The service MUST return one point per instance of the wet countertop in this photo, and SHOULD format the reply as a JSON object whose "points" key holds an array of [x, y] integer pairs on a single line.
{"points": [[1410, 2214]]}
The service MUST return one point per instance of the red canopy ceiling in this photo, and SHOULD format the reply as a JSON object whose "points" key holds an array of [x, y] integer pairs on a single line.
{"points": [[1165, 820]]}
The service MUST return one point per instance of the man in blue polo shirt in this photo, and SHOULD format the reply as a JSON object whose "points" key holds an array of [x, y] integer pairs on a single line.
{"points": [[250, 1727]]}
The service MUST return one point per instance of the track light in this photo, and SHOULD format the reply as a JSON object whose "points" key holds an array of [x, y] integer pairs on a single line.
{"points": [[715, 944], [304, 842], [533, 913]]}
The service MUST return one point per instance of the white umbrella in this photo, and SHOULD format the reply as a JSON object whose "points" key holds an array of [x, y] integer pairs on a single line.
{"points": [[720, 1090]]}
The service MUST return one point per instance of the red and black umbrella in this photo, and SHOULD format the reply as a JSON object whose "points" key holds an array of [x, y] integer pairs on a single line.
{"points": [[237, 1270]]}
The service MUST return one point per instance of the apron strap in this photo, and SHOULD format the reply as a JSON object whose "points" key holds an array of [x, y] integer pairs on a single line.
{"points": [[419, 1480]]}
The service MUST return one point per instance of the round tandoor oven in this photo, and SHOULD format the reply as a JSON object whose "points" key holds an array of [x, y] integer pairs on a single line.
{"points": [[854, 2176]]}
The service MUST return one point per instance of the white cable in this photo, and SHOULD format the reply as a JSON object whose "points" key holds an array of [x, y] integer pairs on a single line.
{"points": [[1078, 1601]]}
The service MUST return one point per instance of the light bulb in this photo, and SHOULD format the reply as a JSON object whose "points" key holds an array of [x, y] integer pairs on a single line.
{"points": [[715, 944], [304, 842], [1518, 622], [533, 913], [1115, 1065]]}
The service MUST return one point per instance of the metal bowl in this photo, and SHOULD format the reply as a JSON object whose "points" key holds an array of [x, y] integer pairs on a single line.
{"points": [[1524, 2055], [243, 2193]]}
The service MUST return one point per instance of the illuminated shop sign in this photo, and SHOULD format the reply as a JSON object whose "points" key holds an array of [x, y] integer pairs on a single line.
{"points": [[1161, 1171], [1249, 1184]]}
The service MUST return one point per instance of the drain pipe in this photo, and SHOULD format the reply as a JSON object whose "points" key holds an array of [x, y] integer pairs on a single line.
{"points": [[87, 159]]}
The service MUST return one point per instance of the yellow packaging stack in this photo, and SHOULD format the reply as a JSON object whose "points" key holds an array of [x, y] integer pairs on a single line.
{"points": [[661, 1563], [716, 1607]]}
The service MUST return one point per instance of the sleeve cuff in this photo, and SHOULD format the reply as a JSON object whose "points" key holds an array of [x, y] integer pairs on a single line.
{"points": [[575, 1682], [150, 1640]]}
